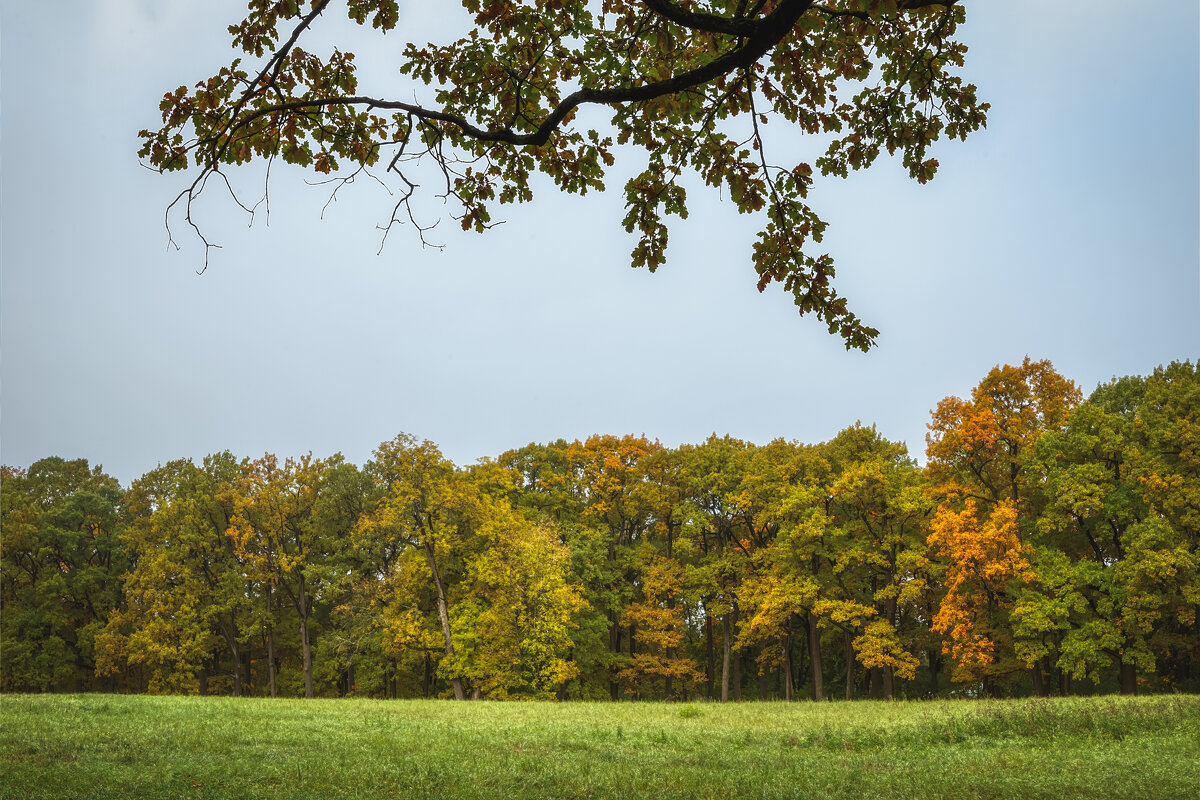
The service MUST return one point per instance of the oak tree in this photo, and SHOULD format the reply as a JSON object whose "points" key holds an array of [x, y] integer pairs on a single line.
{"points": [[566, 87]]}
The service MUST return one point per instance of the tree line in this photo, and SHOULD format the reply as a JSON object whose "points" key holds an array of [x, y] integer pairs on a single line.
{"points": [[1050, 545]]}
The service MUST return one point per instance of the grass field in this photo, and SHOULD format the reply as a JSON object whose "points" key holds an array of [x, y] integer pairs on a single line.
{"points": [[101, 746]]}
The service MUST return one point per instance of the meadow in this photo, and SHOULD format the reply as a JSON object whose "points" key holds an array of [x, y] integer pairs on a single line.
{"points": [[102, 746]]}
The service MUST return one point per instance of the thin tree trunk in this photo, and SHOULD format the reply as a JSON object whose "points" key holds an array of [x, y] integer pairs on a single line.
{"points": [[737, 661], [230, 634], [849, 666], [305, 645], [814, 650], [788, 671], [614, 646], [710, 664], [762, 674], [274, 690], [443, 615], [725, 653]]}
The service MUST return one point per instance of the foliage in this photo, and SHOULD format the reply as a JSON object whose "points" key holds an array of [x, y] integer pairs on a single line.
{"points": [[61, 561], [1049, 547], [688, 89]]}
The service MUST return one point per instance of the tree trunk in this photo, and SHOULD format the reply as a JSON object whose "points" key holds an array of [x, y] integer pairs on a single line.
{"points": [[876, 683], [443, 615], [230, 634], [710, 664], [274, 689], [1039, 686], [305, 643], [1128, 679], [762, 674], [788, 671], [632, 650], [814, 650], [935, 668], [849, 666], [725, 653], [737, 659], [614, 646], [889, 674]]}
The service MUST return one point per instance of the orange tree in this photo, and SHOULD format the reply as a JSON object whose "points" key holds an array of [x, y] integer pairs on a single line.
{"points": [[692, 86], [981, 457]]}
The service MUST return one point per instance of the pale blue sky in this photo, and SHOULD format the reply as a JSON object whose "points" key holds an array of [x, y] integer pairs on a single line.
{"points": [[1067, 230]]}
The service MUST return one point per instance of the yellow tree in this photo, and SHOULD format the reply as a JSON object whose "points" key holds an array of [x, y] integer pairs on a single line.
{"points": [[516, 607], [656, 614], [275, 528], [878, 503], [424, 502]]}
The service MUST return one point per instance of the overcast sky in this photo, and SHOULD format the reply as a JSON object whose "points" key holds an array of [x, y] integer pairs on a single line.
{"points": [[1067, 230]]}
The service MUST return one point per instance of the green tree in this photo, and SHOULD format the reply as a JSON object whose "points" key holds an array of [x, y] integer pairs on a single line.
{"points": [[550, 487], [618, 497], [61, 558], [1121, 511], [692, 86], [712, 475]]}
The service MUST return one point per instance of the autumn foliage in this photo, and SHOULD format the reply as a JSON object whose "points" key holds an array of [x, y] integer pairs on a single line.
{"points": [[1049, 546]]}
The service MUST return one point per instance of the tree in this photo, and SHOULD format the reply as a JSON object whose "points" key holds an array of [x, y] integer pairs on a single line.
{"points": [[712, 474], [422, 503], [61, 559], [276, 529], [982, 459], [620, 500], [1122, 510], [879, 503], [186, 593], [516, 610], [693, 85]]}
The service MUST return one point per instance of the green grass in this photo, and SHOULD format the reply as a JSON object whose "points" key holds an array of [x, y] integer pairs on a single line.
{"points": [[101, 746]]}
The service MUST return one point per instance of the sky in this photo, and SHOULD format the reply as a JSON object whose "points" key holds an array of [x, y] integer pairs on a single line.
{"points": [[1069, 230]]}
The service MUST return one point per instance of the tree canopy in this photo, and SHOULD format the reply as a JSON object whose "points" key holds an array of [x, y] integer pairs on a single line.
{"points": [[682, 87], [1051, 545]]}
